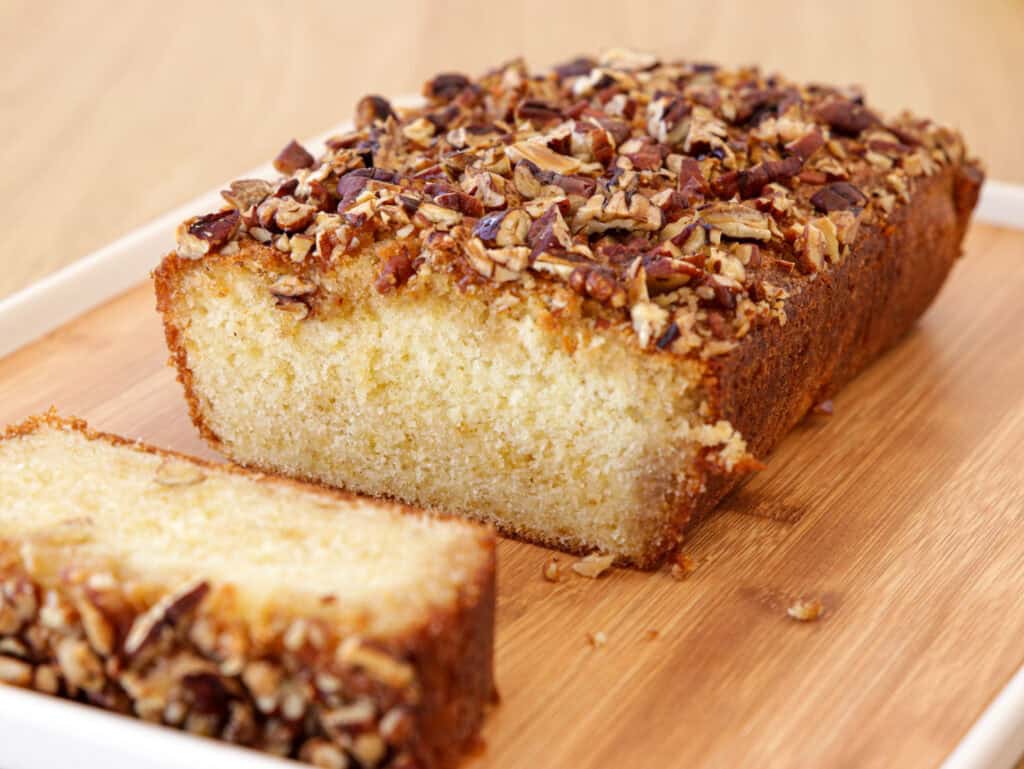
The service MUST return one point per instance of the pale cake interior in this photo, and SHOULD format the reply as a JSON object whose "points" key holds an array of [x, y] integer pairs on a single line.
{"points": [[443, 401], [282, 547]]}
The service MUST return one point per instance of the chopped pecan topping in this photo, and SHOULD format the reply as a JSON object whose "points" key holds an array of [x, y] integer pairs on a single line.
{"points": [[549, 233], [207, 234], [291, 287], [576, 68], [543, 157], [753, 180], [247, 192], [623, 176], [164, 613], [372, 109], [293, 157], [806, 145], [845, 116], [395, 272], [538, 112], [598, 283], [692, 184], [461, 202], [838, 196], [738, 221], [446, 87]]}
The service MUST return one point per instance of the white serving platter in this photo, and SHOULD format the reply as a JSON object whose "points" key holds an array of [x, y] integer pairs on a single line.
{"points": [[38, 731]]}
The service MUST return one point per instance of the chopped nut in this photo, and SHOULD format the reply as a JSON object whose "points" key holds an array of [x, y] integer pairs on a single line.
{"points": [[241, 725], [18, 605], [296, 308], [45, 680], [178, 472], [593, 565], [738, 221], [80, 667], [878, 161], [202, 235], [260, 234], [98, 630], [543, 157], [628, 60], [372, 109], [847, 225], [806, 611], [377, 664], [420, 131], [819, 241], [443, 217], [557, 266], [598, 639], [245, 193], [512, 231], [164, 613], [369, 749], [15, 672], [264, 682], [838, 196], [599, 284], [324, 754], [845, 116], [293, 157], [396, 726], [552, 570], [301, 245], [291, 286], [649, 321], [525, 182], [287, 213], [446, 86], [56, 613], [537, 112], [682, 566], [395, 272], [359, 713]]}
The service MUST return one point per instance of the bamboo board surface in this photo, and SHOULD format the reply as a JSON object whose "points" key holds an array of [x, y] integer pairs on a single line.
{"points": [[903, 513]]}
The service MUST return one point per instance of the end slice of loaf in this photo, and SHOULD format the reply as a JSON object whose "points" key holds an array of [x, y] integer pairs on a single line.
{"points": [[303, 622]]}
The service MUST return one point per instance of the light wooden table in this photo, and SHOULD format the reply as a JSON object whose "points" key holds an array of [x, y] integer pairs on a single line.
{"points": [[113, 112]]}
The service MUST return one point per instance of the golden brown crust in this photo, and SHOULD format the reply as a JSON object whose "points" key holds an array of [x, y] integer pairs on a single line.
{"points": [[867, 304], [415, 700]]}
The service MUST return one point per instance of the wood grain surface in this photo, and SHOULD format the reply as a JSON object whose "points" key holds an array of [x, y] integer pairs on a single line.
{"points": [[901, 513], [114, 112]]}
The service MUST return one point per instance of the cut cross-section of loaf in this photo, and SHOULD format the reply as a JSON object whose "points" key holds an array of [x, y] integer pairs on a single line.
{"points": [[580, 304], [300, 621]]}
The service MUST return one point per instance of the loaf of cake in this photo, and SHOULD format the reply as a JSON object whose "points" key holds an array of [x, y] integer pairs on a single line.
{"points": [[341, 631], [581, 305]]}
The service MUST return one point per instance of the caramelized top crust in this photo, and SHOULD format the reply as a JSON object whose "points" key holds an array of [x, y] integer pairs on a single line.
{"points": [[680, 199]]}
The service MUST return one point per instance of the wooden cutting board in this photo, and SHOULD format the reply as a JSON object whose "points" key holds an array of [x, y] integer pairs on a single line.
{"points": [[903, 514]]}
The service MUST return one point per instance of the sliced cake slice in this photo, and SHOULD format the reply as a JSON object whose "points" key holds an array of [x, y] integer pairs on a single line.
{"points": [[304, 622]]}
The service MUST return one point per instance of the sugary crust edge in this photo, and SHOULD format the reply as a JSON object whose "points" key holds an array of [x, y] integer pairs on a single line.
{"points": [[776, 376], [451, 651], [893, 278]]}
